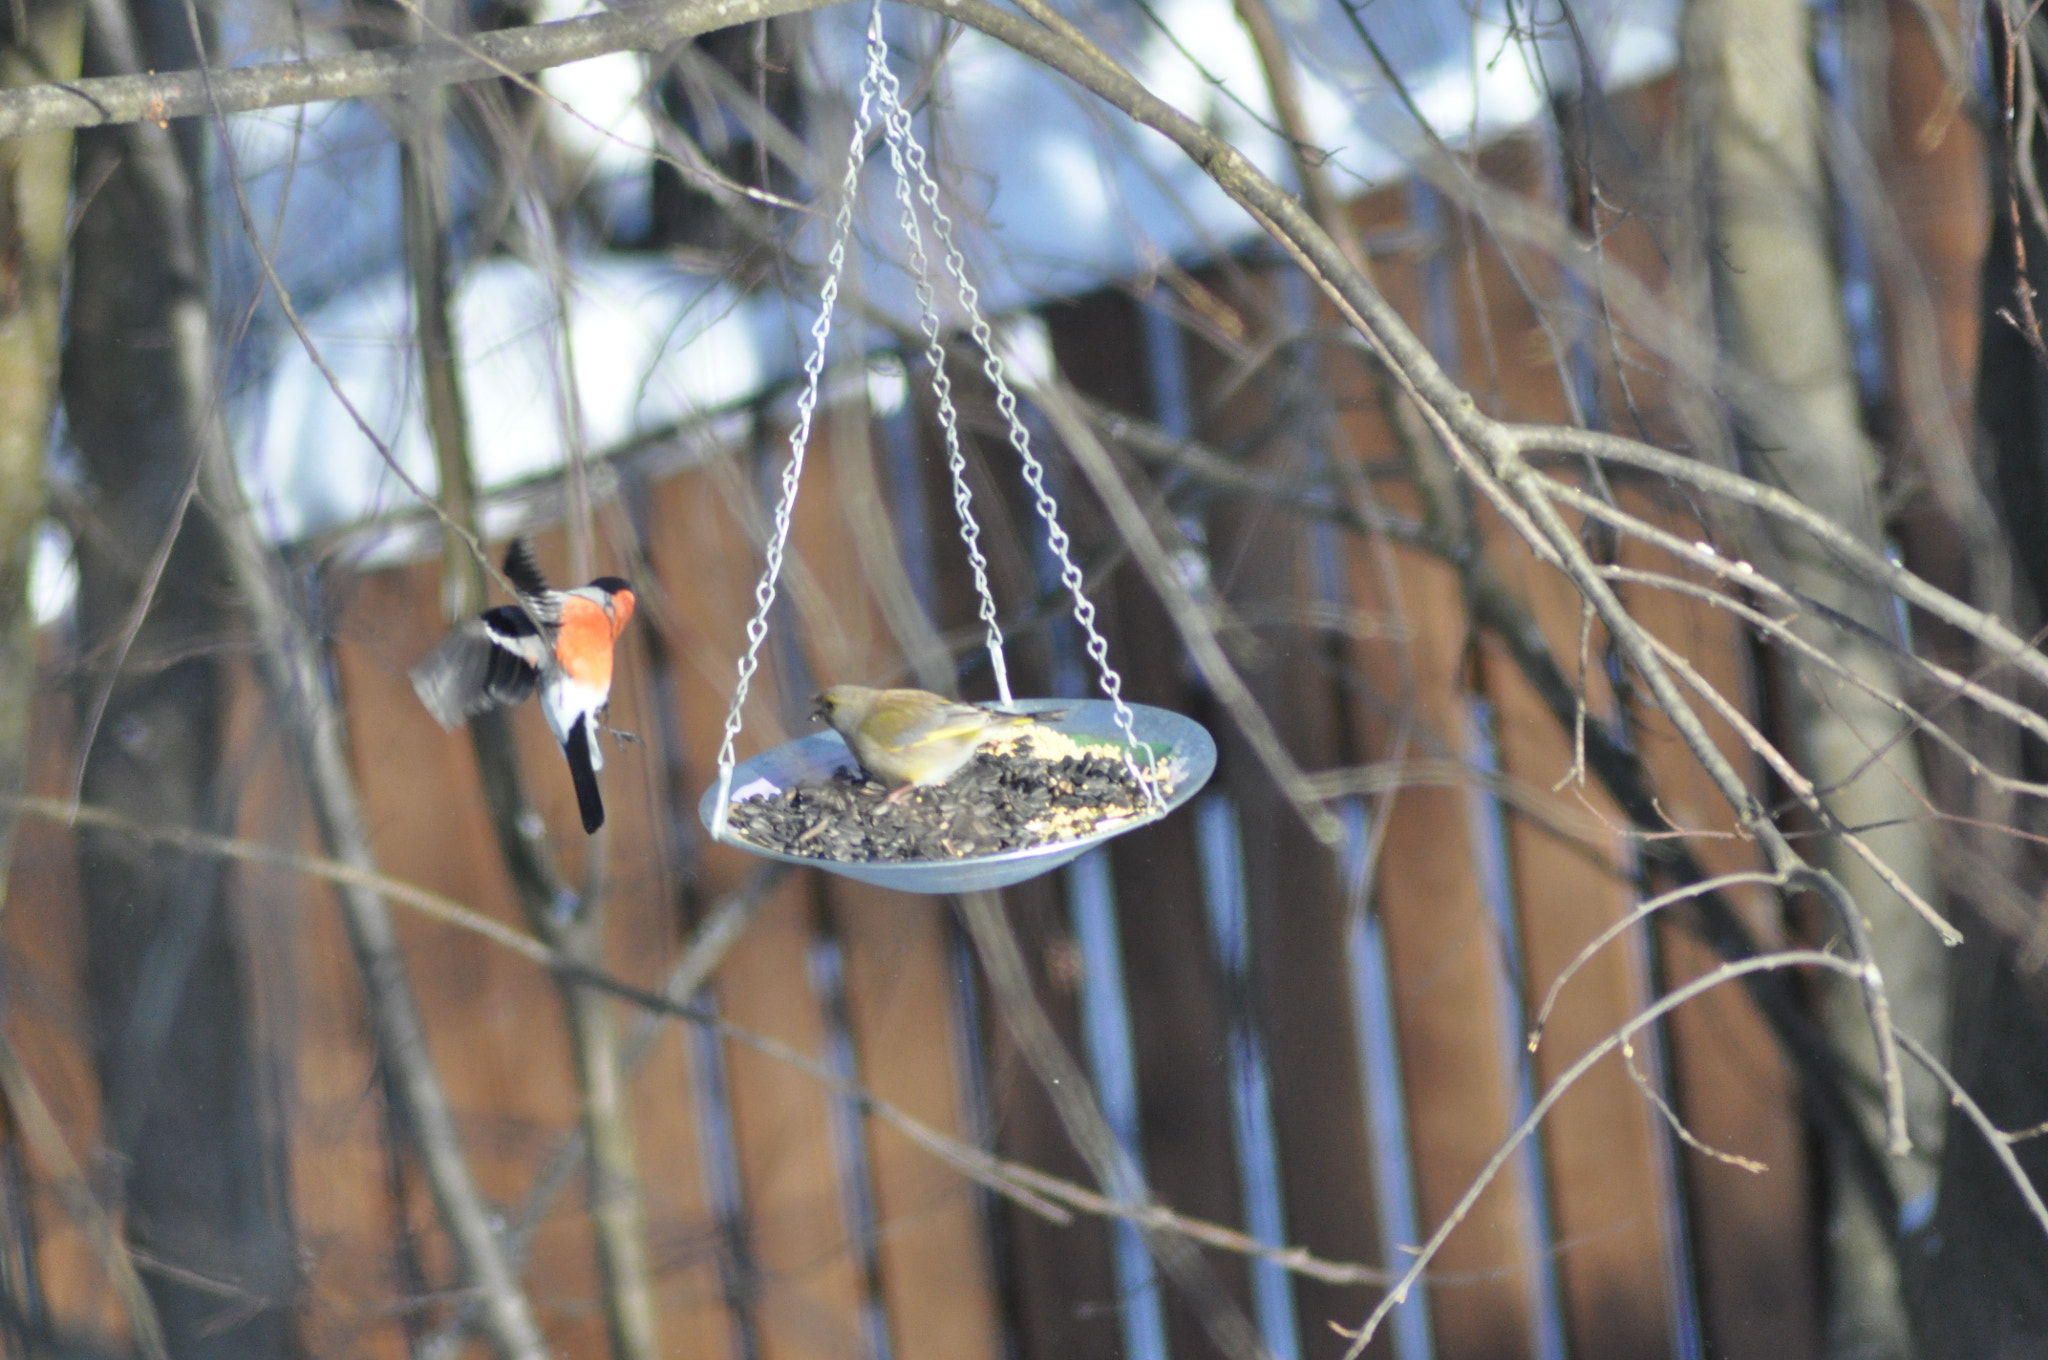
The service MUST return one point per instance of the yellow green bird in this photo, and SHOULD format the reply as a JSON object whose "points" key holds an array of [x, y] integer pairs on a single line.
{"points": [[910, 737]]}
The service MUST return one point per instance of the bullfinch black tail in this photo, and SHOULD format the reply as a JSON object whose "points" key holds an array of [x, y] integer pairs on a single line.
{"points": [[577, 748], [524, 574]]}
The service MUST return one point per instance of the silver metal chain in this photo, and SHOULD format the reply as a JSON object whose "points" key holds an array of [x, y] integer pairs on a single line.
{"points": [[1020, 437], [903, 147], [800, 436], [1056, 537], [879, 88]]}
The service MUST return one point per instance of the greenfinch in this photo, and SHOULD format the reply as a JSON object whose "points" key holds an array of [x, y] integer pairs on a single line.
{"points": [[910, 737]]}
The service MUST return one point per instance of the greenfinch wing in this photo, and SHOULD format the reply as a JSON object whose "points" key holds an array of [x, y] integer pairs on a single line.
{"points": [[899, 725]]}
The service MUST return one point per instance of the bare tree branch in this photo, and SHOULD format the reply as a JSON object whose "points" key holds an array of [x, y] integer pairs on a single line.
{"points": [[1032, 1189], [390, 70], [1067, 1088], [1664, 1005], [1189, 616], [26, 1104]]}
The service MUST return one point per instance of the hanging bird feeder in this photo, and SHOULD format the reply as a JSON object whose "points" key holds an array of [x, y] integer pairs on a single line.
{"points": [[1037, 795]]}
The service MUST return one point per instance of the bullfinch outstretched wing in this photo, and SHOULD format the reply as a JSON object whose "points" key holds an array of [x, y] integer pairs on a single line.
{"points": [[490, 661]]}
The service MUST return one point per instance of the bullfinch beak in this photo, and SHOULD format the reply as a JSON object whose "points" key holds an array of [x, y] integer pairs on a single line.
{"points": [[557, 641]]}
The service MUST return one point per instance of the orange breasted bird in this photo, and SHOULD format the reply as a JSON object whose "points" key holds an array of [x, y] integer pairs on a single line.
{"points": [[559, 641]]}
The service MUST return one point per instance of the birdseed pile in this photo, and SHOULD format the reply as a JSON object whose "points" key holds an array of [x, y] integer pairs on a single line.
{"points": [[1036, 787]]}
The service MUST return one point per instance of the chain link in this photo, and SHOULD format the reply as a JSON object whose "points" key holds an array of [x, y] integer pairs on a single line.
{"points": [[1020, 439], [879, 88], [903, 145], [800, 436]]}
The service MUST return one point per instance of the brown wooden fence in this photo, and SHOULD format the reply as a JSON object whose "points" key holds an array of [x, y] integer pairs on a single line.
{"points": [[1340, 1057]]}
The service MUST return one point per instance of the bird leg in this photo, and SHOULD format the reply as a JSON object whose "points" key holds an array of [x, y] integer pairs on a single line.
{"points": [[619, 735]]}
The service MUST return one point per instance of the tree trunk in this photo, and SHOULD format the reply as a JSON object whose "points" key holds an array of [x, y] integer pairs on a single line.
{"points": [[1750, 81], [35, 188], [1982, 1284], [187, 1104]]}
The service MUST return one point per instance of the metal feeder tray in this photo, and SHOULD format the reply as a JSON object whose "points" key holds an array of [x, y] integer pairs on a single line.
{"points": [[1190, 760]]}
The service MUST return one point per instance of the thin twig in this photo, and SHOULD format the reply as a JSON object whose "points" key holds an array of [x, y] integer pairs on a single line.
{"points": [[1643, 911], [1543, 812], [39, 1126], [1802, 789], [2001, 1143], [1069, 1091], [1869, 566], [1677, 1125], [720, 930], [1916, 719], [1032, 1189], [1664, 1005], [1189, 617]]}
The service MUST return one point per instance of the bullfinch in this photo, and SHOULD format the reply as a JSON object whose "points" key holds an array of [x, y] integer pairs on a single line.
{"points": [[559, 641]]}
